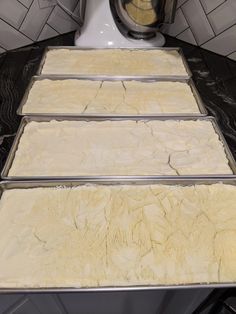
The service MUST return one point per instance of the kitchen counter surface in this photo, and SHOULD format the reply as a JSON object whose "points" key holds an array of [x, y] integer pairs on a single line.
{"points": [[214, 76]]}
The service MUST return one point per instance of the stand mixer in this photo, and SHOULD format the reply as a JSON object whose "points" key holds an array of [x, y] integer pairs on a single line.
{"points": [[124, 23]]}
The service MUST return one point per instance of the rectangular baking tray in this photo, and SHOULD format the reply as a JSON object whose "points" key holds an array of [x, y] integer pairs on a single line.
{"points": [[178, 49], [196, 95], [27, 119], [6, 185]]}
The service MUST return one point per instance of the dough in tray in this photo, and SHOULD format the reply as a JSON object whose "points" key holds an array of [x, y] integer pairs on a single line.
{"points": [[93, 236], [77, 148], [71, 96], [114, 62]]}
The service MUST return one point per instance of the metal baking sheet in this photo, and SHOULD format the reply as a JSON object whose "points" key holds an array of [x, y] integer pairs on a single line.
{"points": [[178, 49], [201, 106], [48, 183], [27, 119]]}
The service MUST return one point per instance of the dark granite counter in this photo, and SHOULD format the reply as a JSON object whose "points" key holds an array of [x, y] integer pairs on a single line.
{"points": [[214, 76]]}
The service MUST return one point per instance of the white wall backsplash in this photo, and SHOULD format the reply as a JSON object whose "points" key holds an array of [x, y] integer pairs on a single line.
{"points": [[23, 22], [210, 24]]}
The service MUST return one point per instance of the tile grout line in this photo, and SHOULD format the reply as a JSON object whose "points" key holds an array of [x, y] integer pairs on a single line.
{"points": [[186, 27], [26, 15], [78, 2], [202, 7], [22, 4], [44, 24], [190, 28], [18, 30], [207, 18], [231, 53], [218, 34], [182, 4], [216, 7], [79, 17], [71, 16], [53, 28]]}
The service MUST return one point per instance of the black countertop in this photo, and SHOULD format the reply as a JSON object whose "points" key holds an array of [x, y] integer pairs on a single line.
{"points": [[214, 76]]}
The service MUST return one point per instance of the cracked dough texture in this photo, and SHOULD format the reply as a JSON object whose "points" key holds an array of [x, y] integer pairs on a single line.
{"points": [[114, 62], [91, 97], [70, 148], [94, 236]]}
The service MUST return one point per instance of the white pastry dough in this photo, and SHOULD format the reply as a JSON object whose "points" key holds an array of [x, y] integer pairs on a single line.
{"points": [[72, 148], [114, 62], [97, 97], [95, 236]]}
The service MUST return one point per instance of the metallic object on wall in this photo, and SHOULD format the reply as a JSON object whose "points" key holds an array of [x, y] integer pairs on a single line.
{"points": [[141, 19]]}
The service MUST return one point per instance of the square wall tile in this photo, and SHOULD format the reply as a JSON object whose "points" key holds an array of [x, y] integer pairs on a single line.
{"points": [[210, 5], [180, 2], [223, 17], [211, 24], [35, 20], [10, 38], [197, 21], [61, 21], [47, 3], [187, 36], [26, 3], [47, 32], [78, 13], [224, 44], [67, 5], [12, 12], [232, 56], [179, 25]]}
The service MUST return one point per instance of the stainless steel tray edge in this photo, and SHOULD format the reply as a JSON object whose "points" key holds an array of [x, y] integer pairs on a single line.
{"points": [[117, 288], [190, 82], [178, 49], [27, 119], [192, 180]]}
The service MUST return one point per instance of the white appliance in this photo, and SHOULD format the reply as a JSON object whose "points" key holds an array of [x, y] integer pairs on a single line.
{"points": [[100, 28]]}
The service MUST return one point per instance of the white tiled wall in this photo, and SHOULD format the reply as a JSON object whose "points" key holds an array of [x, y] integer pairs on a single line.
{"points": [[23, 22], [210, 24]]}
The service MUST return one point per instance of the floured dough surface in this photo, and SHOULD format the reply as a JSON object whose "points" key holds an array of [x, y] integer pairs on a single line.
{"points": [[73, 96], [72, 148], [114, 62], [94, 236]]}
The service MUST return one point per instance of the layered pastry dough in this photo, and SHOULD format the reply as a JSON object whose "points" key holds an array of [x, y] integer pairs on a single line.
{"points": [[114, 62], [72, 148], [105, 97], [94, 236]]}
